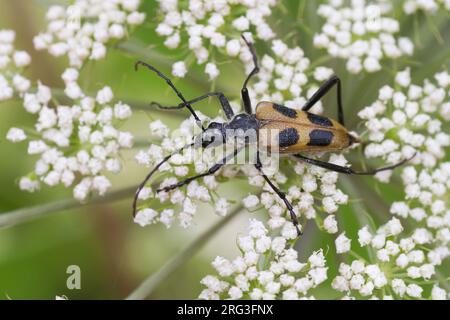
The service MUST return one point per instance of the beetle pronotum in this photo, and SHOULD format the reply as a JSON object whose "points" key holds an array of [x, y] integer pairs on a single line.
{"points": [[297, 131]]}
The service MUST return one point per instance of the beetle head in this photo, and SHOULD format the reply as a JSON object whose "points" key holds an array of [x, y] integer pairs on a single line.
{"points": [[213, 136]]}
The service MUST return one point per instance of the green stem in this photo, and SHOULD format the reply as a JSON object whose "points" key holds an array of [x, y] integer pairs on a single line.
{"points": [[11, 218], [152, 282]]}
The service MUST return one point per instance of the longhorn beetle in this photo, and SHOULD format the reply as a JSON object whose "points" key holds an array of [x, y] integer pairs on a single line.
{"points": [[298, 131]]}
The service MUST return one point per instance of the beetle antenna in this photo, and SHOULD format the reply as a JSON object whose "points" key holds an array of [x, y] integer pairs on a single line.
{"points": [[255, 69], [348, 170], [170, 83], [375, 171], [143, 183], [244, 91]]}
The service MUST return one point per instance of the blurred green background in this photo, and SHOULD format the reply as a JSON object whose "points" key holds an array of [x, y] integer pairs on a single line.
{"points": [[114, 254]]}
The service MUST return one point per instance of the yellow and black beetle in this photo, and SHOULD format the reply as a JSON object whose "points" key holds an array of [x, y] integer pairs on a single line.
{"points": [[297, 131]]}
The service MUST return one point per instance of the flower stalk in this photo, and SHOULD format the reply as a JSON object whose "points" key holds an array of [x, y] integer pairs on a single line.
{"points": [[12, 218]]}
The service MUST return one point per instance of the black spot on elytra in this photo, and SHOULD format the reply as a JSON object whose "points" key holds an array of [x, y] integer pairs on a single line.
{"points": [[285, 111], [319, 120], [320, 138], [288, 137]]}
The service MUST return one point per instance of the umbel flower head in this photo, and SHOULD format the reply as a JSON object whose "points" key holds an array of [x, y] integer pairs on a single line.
{"points": [[266, 269], [408, 119], [76, 144], [286, 77], [412, 122], [83, 30], [361, 33], [400, 266], [210, 27]]}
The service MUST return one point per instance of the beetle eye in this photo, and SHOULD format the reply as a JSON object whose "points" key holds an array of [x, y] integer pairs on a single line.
{"points": [[214, 125]]}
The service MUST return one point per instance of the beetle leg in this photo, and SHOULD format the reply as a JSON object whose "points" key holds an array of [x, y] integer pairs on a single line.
{"points": [[280, 194], [210, 171], [142, 185], [244, 92], [347, 170], [222, 99], [324, 88], [170, 83]]}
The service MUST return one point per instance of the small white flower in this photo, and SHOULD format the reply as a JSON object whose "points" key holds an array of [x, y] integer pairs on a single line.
{"points": [[211, 70], [403, 78], [223, 266], [438, 293], [414, 291], [364, 236], [20, 83], [222, 206], [179, 69], [233, 47], [73, 90], [340, 284], [16, 135], [158, 129], [28, 184], [251, 201], [104, 95], [70, 75], [101, 184], [7, 36], [21, 58], [145, 217], [322, 73], [235, 293], [330, 224], [342, 243], [122, 111]]}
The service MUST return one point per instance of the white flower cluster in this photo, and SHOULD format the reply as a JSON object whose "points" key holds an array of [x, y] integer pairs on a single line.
{"points": [[285, 77], [180, 166], [12, 63], [76, 144], [82, 30], [362, 34], [426, 200], [404, 267], [303, 190], [412, 121], [428, 6], [212, 26], [408, 119], [267, 269]]}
